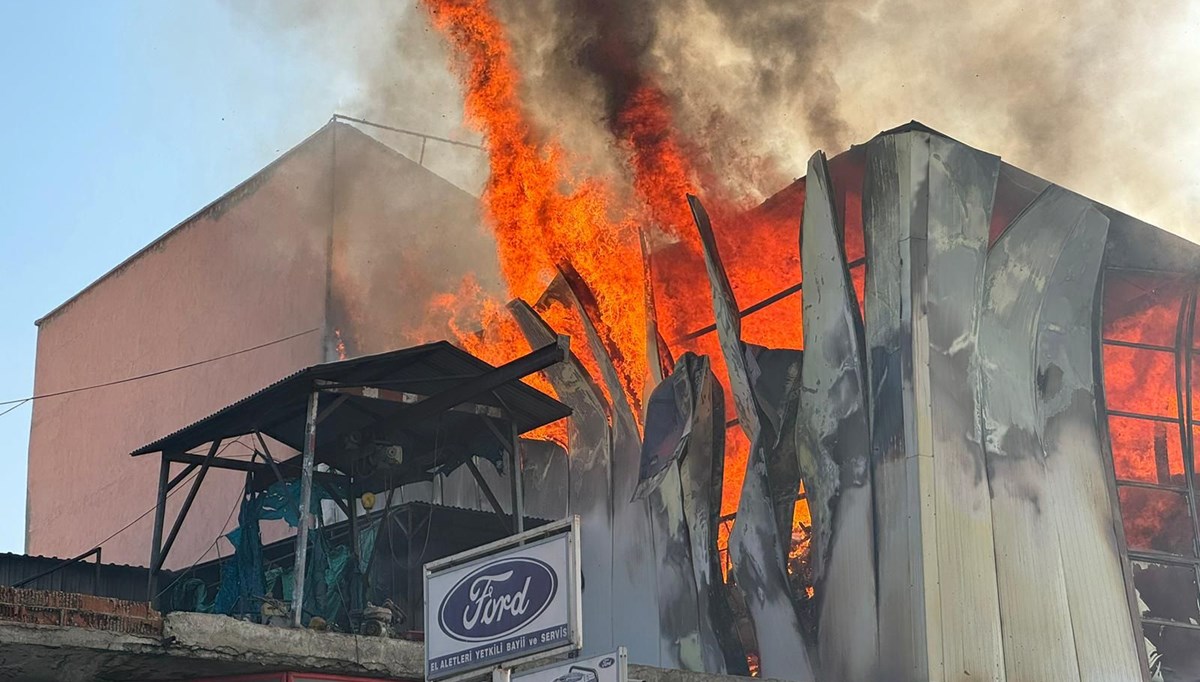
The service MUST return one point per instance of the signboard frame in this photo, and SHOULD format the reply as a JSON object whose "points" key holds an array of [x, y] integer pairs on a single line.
{"points": [[570, 586], [620, 663]]}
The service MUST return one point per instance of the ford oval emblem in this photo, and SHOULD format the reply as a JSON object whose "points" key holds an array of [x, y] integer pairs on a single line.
{"points": [[497, 599], [606, 662]]}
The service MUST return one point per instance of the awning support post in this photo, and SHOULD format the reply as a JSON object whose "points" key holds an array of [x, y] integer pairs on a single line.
{"points": [[160, 512], [306, 480], [514, 477], [355, 547], [187, 504]]}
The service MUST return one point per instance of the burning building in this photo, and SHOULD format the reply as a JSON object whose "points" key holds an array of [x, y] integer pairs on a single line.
{"points": [[919, 415]]}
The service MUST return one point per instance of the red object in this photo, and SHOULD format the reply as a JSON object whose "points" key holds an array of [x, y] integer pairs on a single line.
{"points": [[296, 677]]}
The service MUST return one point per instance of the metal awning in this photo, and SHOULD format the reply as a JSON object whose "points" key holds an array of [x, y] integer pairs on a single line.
{"points": [[383, 390], [376, 422]]}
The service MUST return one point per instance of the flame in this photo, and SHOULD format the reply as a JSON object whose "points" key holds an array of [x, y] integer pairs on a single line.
{"points": [[340, 347], [539, 214], [547, 220], [1144, 382]]}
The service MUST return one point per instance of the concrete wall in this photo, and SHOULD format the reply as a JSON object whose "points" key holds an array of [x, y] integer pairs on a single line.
{"points": [[246, 270], [342, 234]]}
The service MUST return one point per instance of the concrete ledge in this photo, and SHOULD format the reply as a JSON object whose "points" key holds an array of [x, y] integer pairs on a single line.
{"points": [[203, 645], [197, 645], [201, 636]]}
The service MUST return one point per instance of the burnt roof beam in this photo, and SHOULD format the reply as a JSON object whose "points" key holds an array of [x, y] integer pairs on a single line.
{"points": [[205, 463], [406, 398], [254, 468], [537, 360]]}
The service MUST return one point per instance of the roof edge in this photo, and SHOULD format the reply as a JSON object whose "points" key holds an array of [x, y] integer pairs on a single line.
{"points": [[183, 223]]}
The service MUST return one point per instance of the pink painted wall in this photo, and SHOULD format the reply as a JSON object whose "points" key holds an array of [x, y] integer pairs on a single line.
{"points": [[251, 268], [248, 269]]}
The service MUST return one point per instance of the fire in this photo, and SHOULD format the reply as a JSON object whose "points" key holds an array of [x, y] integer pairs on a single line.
{"points": [[1145, 319], [541, 216], [547, 221], [340, 347]]}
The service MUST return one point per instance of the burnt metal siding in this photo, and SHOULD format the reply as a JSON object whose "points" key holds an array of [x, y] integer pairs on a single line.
{"points": [[112, 580]]}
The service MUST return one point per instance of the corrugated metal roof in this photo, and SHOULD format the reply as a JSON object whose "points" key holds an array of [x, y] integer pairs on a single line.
{"points": [[279, 410], [118, 581]]}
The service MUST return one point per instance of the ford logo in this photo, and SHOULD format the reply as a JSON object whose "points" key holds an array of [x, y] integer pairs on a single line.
{"points": [[497, 599]]}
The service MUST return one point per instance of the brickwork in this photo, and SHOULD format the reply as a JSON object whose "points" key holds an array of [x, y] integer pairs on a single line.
{"points": [[38, 607]]}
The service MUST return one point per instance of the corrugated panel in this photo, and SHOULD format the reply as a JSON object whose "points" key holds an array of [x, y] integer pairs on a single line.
{"points": [[111, 580], [278, 409]]}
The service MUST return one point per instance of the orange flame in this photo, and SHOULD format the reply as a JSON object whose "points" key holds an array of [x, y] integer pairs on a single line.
{"points": [[540, 215], [542, 218]]}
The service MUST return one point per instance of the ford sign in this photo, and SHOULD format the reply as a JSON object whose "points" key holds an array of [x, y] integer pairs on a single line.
{"points": [[509, 602], [497, 599]]}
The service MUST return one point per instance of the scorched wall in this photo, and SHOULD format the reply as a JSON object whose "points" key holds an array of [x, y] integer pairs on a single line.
{"points": [[302, 245]]}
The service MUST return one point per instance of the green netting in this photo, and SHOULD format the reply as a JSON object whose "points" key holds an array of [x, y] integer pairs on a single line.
{"points": [[244, 583]]}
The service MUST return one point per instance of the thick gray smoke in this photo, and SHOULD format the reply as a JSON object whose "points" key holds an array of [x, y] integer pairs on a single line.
{"points": [[1099, 96]]}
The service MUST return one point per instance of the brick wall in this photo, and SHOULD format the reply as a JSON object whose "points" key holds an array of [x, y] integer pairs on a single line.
{"points": [[37, 607]]}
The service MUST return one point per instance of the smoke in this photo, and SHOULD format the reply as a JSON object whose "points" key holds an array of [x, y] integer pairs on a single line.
{"points": [[390, 66], [1097, 96]]}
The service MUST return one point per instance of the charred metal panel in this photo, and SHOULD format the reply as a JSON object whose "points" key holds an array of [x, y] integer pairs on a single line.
{"points": [[680, 456], [647, 593], [546, 478], [832, 429], [590, 492], [894, 194], [755, 544], [701, 473], [1106, 639], [1029, 572], [961, 182]]}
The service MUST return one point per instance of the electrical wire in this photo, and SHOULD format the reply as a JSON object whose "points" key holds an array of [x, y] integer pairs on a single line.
{"points": [[216, 540], [19, 401], [15, 404], [178, 487]]}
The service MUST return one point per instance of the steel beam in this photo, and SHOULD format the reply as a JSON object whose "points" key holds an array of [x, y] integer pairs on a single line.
{"points": [[491, 496], [539, 359], [306, 479], [187, 504], [160, 511], [406, 398]]}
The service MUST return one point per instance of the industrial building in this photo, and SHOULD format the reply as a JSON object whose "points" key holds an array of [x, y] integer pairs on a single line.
{"points": [[962, 447]]}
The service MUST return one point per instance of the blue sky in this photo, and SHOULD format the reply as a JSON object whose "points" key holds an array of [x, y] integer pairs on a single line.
{"points": [[120, 119]]}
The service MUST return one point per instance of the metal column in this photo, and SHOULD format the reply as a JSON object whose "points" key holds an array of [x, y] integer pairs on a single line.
{"points": [[306, 479], [514, 477], [160, 513]]}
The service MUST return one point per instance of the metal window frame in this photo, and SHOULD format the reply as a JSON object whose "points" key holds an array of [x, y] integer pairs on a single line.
{"points": [[1185, 418]]}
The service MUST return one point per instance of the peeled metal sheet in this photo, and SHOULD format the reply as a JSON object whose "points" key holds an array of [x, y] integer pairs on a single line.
{"points": [[962, 183], [646, 590], [1107, 640], [755, 544], [701, 474], [832, 428], [775, 383], [893, 215], [1029, 572], [590, 491], [668, 427], [459, 489], [683, 470]]}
